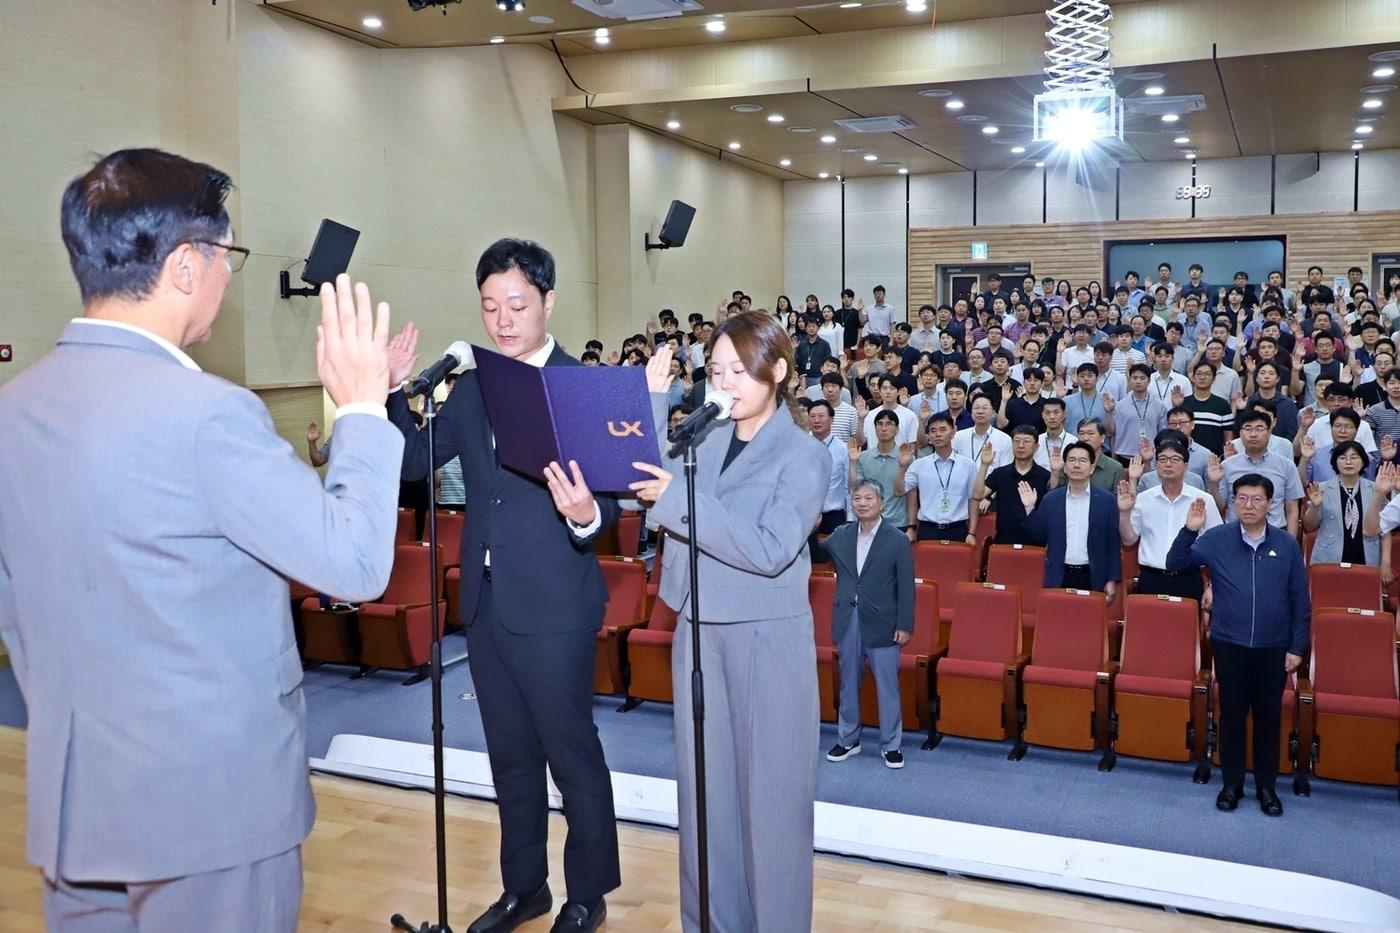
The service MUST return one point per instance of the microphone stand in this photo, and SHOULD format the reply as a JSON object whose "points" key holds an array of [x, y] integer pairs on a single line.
{"points": [[397, 921], [697, 689]]}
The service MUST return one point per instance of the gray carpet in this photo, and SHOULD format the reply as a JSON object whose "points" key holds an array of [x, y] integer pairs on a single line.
{"points": [[1343, 831]]}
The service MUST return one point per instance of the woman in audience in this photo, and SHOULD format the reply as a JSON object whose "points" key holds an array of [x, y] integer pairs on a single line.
{"points": [[782, 310], [831, 331], [1063, 297], [762, 720], [1095, 293], [1335, 510]]}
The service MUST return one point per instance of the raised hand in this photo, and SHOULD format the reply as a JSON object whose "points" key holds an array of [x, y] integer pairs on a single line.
{"points": [[925, 411], [1126, 497], [1145, 452], [987, 455], [904, 396], [1237, 401], [1108, 403], [1057, 459], [1135, 470], [1386, 478], [614, 358], [313, 433], [1307, 417], [1177, 396], [906, 455], [862, 409], [1314, 492], [1196, 515], [1250, 363], [1387, 447], [651, 328], [853, 449], [403, 354], [659, 376], [1215, 470], [1028, 495], [352, 344], [1307, 447]]}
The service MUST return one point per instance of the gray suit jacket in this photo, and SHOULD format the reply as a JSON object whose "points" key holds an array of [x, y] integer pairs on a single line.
{"points": [[1327, 547], [148, 513], [883, 591], [754, 520]]}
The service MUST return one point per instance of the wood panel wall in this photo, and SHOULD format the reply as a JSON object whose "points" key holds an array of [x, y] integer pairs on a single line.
{"points": [[1334, 241]]}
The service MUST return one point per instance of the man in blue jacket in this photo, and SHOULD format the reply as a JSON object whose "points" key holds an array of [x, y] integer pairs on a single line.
{"points": [[1078, 526], [1259, 628]]}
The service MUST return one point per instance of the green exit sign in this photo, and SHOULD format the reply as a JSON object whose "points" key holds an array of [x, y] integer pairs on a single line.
{"points": [[979, 250]]}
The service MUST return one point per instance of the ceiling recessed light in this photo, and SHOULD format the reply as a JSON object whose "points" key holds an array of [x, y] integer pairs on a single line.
{"points": [[1389, 55], [1017, 150], [1040, 165], [1144, 75], [1378, 89], [372, 22], [775, 118], [799, 128], [990, 130], [871, 157], [935, 92], [849, 150], [972, 118], [1358, 145], [1384, 71], [601, 33], [850, 6], [954, 104], [1373, 104], [497, 40], [1365, 129], [734, 145], [823, 174], [673, 125], [1170, 118], [904, 171], [715, 25], [542, 20], [828, 139], [601, 40], [784, 162], [916, 6], [1182, 140], [746, 108], [1191, 156], [1153, 91]]}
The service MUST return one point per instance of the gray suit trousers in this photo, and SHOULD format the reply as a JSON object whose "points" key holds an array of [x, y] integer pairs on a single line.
{"points": [[762, 731], [264, 897], [884, 664]]}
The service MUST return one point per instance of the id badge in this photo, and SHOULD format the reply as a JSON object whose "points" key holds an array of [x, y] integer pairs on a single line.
{"points": [[946, 505]]}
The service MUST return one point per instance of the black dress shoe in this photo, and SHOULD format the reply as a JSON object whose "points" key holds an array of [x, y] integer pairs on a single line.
{"points": [[576, 918], [512, 910], [1269, 802], [1229, 798]]}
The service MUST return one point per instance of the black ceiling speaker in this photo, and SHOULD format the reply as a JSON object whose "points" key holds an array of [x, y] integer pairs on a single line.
{"points": [[673, 229]]}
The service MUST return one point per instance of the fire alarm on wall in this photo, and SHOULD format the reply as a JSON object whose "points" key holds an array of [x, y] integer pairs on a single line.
{"points": [[7, 353]]}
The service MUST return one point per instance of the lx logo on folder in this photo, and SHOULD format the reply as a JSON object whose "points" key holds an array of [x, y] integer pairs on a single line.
{"points": [[628, 428]]}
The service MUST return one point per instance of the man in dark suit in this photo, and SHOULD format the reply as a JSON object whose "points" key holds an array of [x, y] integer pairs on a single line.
{"points": [[1078, 526], [873, 615], [532, 602]]}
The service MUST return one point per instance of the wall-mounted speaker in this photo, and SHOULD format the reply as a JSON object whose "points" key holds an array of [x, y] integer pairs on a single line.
{"points": [[674, 228]]}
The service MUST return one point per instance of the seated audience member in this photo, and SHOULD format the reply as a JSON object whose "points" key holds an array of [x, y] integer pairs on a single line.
{"points": [[1026, 406], [1077, 524], [879, 465], [872, 617], [970, 441], [1002, 484], [1256, 458], [889, 401], [1137, 415], [1334, 509], [1151, 519], [1055, 436], [1086, 403], [941, 486]]}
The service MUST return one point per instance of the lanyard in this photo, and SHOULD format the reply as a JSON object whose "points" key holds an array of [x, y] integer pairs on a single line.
{"points": [[1141, 412], [944, 481], [977, 456], [1166, 387]]}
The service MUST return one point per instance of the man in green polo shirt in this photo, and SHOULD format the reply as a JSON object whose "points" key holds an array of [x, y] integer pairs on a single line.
{"points": [[880, 464]]}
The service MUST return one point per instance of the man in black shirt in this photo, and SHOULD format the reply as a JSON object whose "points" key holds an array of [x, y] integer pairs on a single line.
{"points": [[947, 351], [811, 352], [995, 290], [899, 340], [904, 380], [1024, 407], [1196, 286], [1003, 483], [848, 316]]}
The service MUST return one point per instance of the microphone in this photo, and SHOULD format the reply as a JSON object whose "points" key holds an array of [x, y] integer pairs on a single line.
{"points": [[718, 404], [460, 352]]}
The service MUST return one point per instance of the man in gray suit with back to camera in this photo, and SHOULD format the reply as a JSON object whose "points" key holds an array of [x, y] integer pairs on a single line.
{"points": [[146, 537]]}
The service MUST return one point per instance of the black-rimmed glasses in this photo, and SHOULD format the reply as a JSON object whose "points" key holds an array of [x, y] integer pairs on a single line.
{"points": [[237, 255]]}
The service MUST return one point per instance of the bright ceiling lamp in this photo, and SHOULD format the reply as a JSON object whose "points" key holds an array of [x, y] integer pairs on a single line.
{"points": [[1079, 105]]}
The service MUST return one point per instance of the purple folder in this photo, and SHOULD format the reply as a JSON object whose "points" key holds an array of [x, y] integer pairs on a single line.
{"points": [[597, 415]]}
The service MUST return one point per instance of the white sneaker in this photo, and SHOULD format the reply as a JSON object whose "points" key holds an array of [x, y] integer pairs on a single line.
{"points": [[841, 752]]}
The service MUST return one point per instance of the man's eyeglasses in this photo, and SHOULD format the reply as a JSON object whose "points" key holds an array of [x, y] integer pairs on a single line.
{"points": [[236, 255], [1245, 499], [1170, 460]]}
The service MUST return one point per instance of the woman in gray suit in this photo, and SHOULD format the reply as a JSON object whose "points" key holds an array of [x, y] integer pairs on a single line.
{"points": [[758, 493], [1335, 510]]}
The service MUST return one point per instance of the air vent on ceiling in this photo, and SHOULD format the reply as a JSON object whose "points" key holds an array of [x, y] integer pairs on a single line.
{"points": [[876, 124], [1156, 106], [637, 9]]}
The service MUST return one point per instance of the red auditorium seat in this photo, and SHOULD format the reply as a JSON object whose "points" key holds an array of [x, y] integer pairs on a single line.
{"points": [[1116, 608], [1021, 566], [626, 579], [914, 660], [1161, 694], [396, 629], [449, 529], [629, 533], [654, 578], [1066, 689], [1288, 738], [1309, 539], [821, 591], [986, 531], [946, 563], [975, 678], [1345, 586], [649, 657], [1351, 708], [407, 531]]}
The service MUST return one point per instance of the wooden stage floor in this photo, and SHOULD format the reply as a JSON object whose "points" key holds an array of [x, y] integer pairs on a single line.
{"points": [[370, 855]]}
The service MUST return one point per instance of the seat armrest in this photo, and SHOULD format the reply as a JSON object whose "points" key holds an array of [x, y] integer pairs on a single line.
{"points": [[622, 628], [1305, 690]]}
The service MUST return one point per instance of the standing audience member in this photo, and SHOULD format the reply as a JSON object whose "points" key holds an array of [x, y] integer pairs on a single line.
{"points": [[1284, 489], [970, 441], [1077, 524], [879, 465], [819, 415], [1003, 484], [941, 485], [1152, 518], [1336, 507]]}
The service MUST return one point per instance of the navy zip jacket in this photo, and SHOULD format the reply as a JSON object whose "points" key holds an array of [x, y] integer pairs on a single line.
{"points": [[1261, 594]]}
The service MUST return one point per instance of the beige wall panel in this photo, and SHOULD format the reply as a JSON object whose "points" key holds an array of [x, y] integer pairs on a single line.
{"points": [[292, 410]]}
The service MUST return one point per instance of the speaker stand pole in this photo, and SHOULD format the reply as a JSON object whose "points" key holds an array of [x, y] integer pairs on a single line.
{"points": [[697, 696], [439, 791]]}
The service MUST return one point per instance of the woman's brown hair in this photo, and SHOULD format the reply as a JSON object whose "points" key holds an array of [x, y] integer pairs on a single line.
{"points": [[760, 343]]}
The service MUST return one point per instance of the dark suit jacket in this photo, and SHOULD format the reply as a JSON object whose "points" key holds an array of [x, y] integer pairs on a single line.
{"points": [[545, 578], [810, 355], [1046, 527], [883, 590]]}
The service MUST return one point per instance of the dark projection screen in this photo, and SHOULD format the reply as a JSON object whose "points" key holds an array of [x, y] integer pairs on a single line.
{"points": [[1222, 258]]}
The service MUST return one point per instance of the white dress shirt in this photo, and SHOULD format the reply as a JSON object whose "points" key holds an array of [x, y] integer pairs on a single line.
{"points": [[840, 464], [1042, 448], [863, 541], [969, 443], [1160, 387], [1077, 526], [1321, 433], [944, 487], [908, 425], [879, 319], [1157, 519]]}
